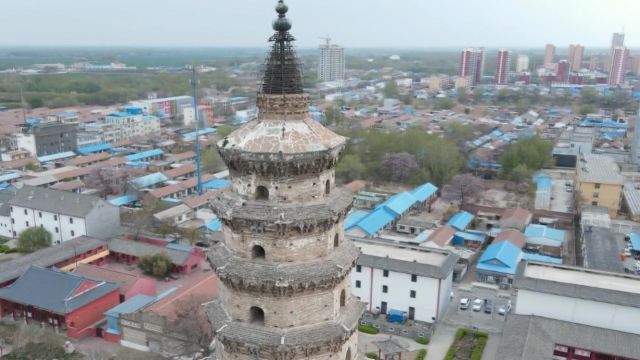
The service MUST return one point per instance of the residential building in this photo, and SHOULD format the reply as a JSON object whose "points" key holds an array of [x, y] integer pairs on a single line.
{"points": [[599, 182], [332, 62], [47, 138], [576, 52], [568, 312], [562, 73], [619, 58], [515, 218], [132, 123], [498, 263], [66, 301], [617, 40], [472, 64], [412, 280], [522, 65], [171, 108], [635, 65], [503, 64], [593, 63], [513, 236], [64, 117], [129, 284], [544, 240], [185, 259], [549, 54], [65, 215]]}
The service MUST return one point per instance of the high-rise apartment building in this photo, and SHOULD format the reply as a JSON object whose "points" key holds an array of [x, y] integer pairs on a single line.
{"points": [[593, 63], [576, 52], [503, 64], [472, 64], [549, 54], [332, 62], [635, 66], [522, 64], [616, 41], [619, 58]]}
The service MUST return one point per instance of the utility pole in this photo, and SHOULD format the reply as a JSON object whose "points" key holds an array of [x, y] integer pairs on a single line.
{"points": [[194, 83]]}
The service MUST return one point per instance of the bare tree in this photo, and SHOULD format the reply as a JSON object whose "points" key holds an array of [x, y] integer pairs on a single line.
{"points": [[462, 188], [399, 167], [192, 322]]}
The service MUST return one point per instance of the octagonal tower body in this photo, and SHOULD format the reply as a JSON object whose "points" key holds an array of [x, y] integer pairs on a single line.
{"points": [[284, 264]]}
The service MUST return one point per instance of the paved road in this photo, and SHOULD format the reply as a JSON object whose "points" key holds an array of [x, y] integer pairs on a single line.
{"points": [[440, 342]]}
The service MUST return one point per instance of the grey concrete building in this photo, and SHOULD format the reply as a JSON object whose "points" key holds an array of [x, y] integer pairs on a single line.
{"points": [[53, 138], [284, 264], [332, 62]]}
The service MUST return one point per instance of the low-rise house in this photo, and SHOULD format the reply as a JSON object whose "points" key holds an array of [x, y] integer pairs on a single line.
{"points": [[65, 215], [513, 236], [185, 259], [440, 237], [72, 303], [498, 264], [515, 218], [544, 240], [461, 220]]}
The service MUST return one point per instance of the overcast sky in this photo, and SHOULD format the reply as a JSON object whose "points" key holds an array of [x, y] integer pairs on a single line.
{"points": [[352, 23]]}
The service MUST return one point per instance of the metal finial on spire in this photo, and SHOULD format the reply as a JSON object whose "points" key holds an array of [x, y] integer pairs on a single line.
{"points": [[281, 24]]}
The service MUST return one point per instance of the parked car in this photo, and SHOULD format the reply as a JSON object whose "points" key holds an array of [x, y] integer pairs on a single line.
{"points": [[504, 309], [627, 252], [477, 305], [488, 306], [464, 303]]}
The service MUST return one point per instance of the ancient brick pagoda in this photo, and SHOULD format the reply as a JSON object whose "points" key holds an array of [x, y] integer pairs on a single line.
{"points": [[284, 265]]}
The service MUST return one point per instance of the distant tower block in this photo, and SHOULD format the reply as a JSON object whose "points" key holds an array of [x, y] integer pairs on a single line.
{"points": [[332, 62], [284, 265]]}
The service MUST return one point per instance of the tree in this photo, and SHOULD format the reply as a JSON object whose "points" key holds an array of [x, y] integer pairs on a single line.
{"points": [[158, 265], [589, 96], [462, 188], [35, 102], [399, 167], [443, 104], [527, 154], [33, 239], [192, 322], [442, 159], [463, 96], [391, 90], [350, 168], [586, 109], [167, 228], [192, 235], [211, 161], [458, 131], [31, 166], [522, 106], [223, 131]]}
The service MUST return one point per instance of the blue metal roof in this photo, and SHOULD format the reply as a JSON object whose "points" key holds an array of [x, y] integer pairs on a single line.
{"points": [[123, 200], [602, 123], [133, 304], [353, 217], [544, 235], [424, 191], [58, 156], [541, 258], [217, 184], [149, 180], [214, 225], [192, 135], [145, 154], [471, 236], [635, 241], [119, 114], [399, 203], [375, 221], [502, 257], [461, 220], [90, 149], [9, 176], [148, 118]]}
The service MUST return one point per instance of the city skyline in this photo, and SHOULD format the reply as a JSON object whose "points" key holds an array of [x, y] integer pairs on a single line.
{"points": [[196, 24]]}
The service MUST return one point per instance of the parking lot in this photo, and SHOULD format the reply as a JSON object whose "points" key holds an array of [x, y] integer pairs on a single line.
{"points": [[492, 322]]}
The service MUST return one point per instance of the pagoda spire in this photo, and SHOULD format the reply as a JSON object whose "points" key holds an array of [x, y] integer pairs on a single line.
{"points": [[282, 73]]}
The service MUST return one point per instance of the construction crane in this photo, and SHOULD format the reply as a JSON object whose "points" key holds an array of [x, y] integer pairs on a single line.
{"points": [[326, 38]]}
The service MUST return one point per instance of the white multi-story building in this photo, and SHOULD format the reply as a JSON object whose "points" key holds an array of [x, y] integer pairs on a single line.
{"points": [[565, 312], [332, 62], [522, 65], [414, 280], [134, 124], [65, 215]]}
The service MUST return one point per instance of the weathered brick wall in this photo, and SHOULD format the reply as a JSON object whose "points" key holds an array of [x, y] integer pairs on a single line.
{"points": [[293, 189], [284, 312], [279, 249]]}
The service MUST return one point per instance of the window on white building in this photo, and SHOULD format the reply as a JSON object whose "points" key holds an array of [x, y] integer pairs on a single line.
{"points": [[385, 273], [412, 294], [73, 233], [40, 214], [414, 278], [55, 217], [26, 223], [25, 211], [385, 289], [57, 230], [358, 268], [358, 284], [70, 220]]}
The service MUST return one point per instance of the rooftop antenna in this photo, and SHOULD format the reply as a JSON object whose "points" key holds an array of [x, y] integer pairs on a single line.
{"points": [[194, 83]]}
